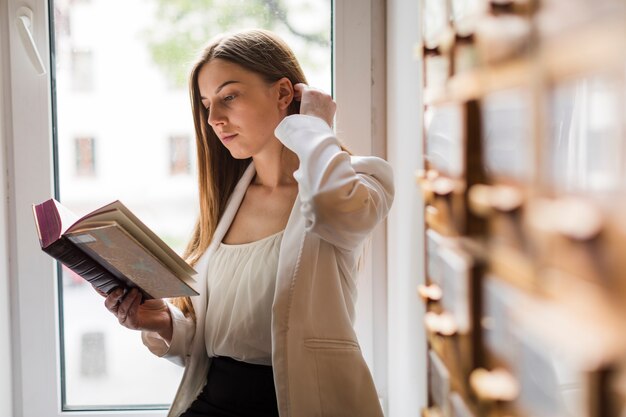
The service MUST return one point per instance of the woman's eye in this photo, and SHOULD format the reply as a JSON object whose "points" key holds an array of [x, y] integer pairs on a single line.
{"points": [[229, 97]]}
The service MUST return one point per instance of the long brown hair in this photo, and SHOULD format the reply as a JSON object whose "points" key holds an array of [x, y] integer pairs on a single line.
{"points": [[269, 56]]}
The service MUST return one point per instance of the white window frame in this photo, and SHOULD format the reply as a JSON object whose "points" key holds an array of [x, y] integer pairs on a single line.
{"points": [[31, 348], [6, 399], [406, 336], [359, 84]]}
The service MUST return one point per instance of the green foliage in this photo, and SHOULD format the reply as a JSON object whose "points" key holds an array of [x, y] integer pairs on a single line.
{"points": [[184, 26]]}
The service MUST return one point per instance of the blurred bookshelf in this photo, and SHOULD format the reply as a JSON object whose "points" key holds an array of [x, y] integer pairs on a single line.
{"points": [[524, 189]]}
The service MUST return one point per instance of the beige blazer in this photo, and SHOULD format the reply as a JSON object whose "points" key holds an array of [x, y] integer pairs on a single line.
{"points": [[319, 370]]}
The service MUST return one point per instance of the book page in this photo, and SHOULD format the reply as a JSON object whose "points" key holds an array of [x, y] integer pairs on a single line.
{"points": [[120, 214], [112, 246], [66, 216]]}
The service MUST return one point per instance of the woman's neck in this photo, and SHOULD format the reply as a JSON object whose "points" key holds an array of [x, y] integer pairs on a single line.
{"points": [[275, 167]]}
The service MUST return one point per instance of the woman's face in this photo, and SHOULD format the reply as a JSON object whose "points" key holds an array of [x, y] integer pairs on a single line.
{"points": [[243, 109]]}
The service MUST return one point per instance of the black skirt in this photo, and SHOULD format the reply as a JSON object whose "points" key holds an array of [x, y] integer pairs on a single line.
{"points": [[236, 389]]}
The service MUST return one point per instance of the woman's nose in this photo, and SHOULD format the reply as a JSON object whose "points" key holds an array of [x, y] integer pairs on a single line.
{"points": [[216, 116]]}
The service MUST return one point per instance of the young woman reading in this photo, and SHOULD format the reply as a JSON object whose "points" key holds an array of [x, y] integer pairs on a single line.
{"points": [[285, 213]]}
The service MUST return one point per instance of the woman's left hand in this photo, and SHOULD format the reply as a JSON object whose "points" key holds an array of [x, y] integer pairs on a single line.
{"points": [[315, 103]]}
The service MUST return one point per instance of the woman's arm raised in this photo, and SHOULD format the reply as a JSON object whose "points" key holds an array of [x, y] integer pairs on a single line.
{"points": [[343, 198]]}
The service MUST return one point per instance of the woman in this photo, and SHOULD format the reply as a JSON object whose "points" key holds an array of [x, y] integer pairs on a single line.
{"points": [[284, 216]]}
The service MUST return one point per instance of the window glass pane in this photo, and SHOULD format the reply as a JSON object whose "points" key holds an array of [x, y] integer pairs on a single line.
{"points": [[124, 131]]}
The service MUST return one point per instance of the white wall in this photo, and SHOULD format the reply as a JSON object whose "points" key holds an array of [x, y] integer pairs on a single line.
{"points": [[407, 344], [5, 308]]}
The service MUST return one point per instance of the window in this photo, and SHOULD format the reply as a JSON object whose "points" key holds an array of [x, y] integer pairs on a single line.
{"points": [[85, 156], [180, 155], [128, 87], [82, 70]]}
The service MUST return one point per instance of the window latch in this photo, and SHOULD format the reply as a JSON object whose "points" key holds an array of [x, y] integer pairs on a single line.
{"points": [[24, 21]]}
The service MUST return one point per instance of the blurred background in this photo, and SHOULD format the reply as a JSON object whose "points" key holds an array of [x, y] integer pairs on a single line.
{"points": [[524, 186]]}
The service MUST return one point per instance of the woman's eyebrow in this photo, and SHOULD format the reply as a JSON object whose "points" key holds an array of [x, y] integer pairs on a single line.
{"points": [[224, 84]]}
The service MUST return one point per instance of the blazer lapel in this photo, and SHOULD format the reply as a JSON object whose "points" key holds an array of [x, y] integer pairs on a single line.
{"points": [[289, 257]]}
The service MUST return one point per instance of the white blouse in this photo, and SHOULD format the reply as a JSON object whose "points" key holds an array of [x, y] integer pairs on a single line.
{"points": [[241, 281]]}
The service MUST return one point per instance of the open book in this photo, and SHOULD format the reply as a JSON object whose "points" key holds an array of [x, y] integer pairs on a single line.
{"points": [[110, 247]]}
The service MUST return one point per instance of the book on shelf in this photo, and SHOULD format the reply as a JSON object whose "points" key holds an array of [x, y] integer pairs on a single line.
{"points": [[110, 247]]}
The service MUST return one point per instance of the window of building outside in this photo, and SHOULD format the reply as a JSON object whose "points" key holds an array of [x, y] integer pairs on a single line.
{"points": [[180, 155], [121, 68], [85, 156], [82, 70]]}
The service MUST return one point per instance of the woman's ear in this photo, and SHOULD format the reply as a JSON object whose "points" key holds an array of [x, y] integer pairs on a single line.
{"points": [[285, 93]]}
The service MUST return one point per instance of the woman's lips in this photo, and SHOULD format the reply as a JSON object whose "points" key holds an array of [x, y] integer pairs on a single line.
{"points": [[228, 138]]}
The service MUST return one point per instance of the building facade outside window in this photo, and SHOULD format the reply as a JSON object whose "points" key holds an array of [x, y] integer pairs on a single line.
{"points": [[180, 154], [85, 156]]}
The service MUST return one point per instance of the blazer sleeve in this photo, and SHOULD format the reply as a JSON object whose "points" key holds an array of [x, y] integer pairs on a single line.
{"points": [[342, 197], [178, 350]]}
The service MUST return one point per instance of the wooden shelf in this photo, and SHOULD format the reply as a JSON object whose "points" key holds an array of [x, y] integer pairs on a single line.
{"points": [[594, 48], [563, 276], [476, 84], [597, 48]]}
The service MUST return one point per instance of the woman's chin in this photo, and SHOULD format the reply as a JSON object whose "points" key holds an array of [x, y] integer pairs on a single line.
{"points": [[237, 154]]}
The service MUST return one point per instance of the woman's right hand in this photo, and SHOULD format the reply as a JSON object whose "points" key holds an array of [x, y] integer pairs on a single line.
{"points": [[151, 315], [315, 102]]}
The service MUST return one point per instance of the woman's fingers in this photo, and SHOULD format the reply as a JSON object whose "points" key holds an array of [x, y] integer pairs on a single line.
{"points": [[297, 91], [111, 302], [99, 291], [125, 306], [315, 103]]}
